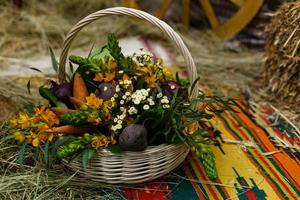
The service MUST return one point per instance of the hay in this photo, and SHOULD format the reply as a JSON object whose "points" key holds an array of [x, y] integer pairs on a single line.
{"points": [[282, 66]]}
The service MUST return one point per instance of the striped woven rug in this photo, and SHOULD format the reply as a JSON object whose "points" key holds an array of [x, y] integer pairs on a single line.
{"points": [[255, 161]]}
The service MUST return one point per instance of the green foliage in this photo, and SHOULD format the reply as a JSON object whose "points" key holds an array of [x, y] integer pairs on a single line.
{"points": [[116, 149], [46, 152], [58, 143], [75, 118], [113, 47], [28, 87], [207, 158], [53, 60], [21, 154], [74, 146], [87, 155]]}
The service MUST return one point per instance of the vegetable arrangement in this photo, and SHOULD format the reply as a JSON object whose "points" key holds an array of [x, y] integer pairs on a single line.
{"points": [[119, 103]]}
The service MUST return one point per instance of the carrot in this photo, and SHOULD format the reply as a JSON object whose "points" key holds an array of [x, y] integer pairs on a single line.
{"points": [[69, 129], [60, 111], [79, 88], [76, 102]]}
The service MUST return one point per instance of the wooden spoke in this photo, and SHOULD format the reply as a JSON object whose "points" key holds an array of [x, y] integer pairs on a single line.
{"points": [[225, 31]]}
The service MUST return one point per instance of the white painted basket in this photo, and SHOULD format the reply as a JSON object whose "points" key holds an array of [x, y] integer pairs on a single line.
{"points": [[131, 167]]}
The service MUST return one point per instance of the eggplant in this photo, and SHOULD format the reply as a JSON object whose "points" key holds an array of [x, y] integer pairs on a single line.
{"points": [[134, 138]]}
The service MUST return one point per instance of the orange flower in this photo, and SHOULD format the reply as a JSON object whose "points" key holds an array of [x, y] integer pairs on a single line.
{"points": [[33, 139], [111, 64], [94, 119], [100, 142], [44, 114], [93, 101], [98, 77], [191, 128], [45, 136]]}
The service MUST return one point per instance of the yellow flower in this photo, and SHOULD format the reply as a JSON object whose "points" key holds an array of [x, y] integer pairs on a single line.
{"points": [[24, 120], [93, 102], [13, 123], [151, 81], [191, 128], [100, 142], [167, 73], [19, 137], [35, 142]]}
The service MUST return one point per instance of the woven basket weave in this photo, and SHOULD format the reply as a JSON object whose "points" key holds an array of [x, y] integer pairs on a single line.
{"points": [[131, 167]]}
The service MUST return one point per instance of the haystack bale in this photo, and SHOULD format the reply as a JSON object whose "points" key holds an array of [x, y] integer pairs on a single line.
{"points": [[282, 67]]}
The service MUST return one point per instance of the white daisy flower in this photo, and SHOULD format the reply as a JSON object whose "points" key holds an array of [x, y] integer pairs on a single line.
{"points": [[118, 126], [166, 106], [146, 107]]}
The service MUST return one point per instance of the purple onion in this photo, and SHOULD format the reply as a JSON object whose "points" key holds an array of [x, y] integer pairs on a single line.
{"points": [[61, 91]]}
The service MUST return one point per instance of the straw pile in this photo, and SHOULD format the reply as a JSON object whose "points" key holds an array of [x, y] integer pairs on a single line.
{"points": [[282, 66]]}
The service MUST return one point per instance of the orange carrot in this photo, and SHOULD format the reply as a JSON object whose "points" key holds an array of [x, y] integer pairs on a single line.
{"points": [[79, 88], [69, 129], [60, 111], [76, 102]]}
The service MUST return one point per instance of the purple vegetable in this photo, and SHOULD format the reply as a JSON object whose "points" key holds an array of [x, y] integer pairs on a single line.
{"points": [[170, 87], [105, 91], [61, 91], [134, 138]]}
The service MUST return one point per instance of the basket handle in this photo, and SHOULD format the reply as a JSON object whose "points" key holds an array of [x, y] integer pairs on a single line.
{"points": [[192, 71]]}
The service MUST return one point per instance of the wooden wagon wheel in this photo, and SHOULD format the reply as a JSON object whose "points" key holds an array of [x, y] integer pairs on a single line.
{"points": [[248, 9]]}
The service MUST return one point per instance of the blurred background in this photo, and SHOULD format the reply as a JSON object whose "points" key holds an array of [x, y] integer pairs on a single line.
{"points": [[226, 39]]}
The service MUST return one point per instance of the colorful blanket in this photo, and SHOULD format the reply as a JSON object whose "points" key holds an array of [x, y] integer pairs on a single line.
{"points": [[255, 161]]}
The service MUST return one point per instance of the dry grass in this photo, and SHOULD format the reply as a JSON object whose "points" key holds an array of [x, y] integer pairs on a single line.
{"points": [[224, 68], [282, 66]]}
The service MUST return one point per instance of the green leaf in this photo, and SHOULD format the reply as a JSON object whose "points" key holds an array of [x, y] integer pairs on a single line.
{"points": [[28, 87], [116, 149], [194, 84], [9, 137], [90, 52], [113, 46], [87, 155], [46, 152], [140, 83], [53, 60], [35, 69], [21, 154], [177, 78]]}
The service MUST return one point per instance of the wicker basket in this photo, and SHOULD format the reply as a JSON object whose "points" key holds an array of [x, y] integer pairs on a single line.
{"points": [[131, 167]]}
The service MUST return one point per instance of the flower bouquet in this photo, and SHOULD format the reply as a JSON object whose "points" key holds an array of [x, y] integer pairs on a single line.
{"points": [[115, 111]]}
